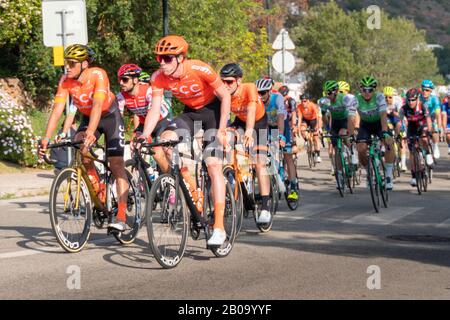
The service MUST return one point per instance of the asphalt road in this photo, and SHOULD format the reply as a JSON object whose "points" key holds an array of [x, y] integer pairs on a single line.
{"points": [[330, 248]]}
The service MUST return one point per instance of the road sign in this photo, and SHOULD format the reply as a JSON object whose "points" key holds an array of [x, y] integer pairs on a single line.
{"points": [[289, 62], [283, 36], [64, 22]]}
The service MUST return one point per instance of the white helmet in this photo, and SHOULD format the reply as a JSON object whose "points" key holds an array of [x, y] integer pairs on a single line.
{"points": [[264, 84]]}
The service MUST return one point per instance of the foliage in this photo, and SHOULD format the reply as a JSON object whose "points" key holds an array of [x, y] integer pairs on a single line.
{"points": [[339, 45], [17, 141]]}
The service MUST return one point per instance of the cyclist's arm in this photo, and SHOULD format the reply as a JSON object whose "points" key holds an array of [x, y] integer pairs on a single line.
{"points": [[135, 121], [351, 103], [68, 122], [300, 117], [152, 117], [251, 115], [52, 124], [225, 104], [96, 114], [382, 109]]}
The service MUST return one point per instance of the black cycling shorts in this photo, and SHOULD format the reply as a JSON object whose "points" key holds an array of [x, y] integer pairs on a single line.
{"points": [[310, 123], [113, 127], [193, 120], [160, 128], [368, 128], [260, 130], [336, 126], [414, 130]]}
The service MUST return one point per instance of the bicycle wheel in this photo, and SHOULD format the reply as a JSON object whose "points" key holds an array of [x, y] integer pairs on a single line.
{"points": [[230, 175], [167, 224], [382, 183], [134, 213], [418, 160], [229, 220], [70, 216], [372, 181], [340, 184], [273, 206], [141, 184]]}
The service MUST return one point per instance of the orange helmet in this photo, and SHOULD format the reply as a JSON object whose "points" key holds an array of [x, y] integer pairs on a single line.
{"points": [[173, 45]]}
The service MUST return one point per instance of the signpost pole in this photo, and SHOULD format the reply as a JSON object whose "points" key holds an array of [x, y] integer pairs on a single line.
{"points": [[283, 54], [64, 43]]}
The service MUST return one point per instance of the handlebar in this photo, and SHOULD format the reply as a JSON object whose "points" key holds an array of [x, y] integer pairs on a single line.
{"points": [[67, 143]]}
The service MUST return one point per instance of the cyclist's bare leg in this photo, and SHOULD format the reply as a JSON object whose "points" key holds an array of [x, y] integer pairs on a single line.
{"points": [[117, 166], [316, 141], [262, 174], [163, 156], [215, 172], [362, 154], [291, 171], [389, 154]]}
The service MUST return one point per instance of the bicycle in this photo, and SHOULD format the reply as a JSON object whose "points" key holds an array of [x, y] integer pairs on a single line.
{"points": [[309, 142], [243, 180], [419, 167], [169, 224], [74, 202], [342, 164], [376, 173], [143, 171], [283, 182]]}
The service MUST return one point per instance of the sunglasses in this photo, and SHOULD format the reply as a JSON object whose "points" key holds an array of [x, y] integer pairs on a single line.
{"points": [[71, 63], [332, 92], [412, 100], [387, 97], [367, 90], [229, 82], [166, 58], [263, 92], [426, 89], [124, 79]]}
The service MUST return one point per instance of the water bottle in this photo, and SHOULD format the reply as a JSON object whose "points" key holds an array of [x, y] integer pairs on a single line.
{"points": [[355, 159], [151, 174]]}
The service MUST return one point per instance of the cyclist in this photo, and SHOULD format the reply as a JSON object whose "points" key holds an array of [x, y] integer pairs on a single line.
{"points": [[89, 89], [393, 104], [445, 121], [433, 104], [337, 109], [250, 115], [419, 121], [308, 117], [144, 77], [371, 106], [136, 97], [290, 124], [207, 102], [276, 116]]}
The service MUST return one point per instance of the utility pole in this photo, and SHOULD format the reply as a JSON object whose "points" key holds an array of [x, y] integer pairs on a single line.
{"points": [[269, 37], [165, 5]]}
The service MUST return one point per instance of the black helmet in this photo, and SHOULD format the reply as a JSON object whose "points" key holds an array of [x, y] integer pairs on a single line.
{"points": [[231, 70], [283, 90], [305, 96]]}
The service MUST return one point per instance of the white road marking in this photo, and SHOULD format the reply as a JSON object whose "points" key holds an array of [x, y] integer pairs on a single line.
{"points": [[385, 217], [445, 224], [305, 211]]}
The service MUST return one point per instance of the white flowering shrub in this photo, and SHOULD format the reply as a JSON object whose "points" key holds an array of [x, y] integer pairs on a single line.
{"points": [[17, 142]]}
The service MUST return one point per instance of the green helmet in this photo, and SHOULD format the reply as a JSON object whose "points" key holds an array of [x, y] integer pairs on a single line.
{"points": [[144, 77], [368, 81], [330, 85]]}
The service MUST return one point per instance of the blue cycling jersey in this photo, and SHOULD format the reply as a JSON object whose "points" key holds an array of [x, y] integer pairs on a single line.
{"points": [[274, 108], [432, 103]]}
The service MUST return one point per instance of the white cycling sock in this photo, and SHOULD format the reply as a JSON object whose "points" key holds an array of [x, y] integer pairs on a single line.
{"points": [[389, 169]]}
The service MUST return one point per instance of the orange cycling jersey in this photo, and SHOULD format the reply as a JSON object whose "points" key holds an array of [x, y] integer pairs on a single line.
{"points": [[93, 83], [308, 111], [244, 97], [195, 88]]}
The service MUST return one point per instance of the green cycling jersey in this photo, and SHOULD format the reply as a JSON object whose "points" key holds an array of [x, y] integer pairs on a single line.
{"points": [[369, 111]]}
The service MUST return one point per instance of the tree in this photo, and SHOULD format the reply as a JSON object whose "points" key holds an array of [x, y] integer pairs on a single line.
{"points": [[339, 45]]}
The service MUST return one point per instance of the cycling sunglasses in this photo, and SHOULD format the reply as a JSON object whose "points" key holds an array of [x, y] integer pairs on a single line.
{"points": [[229, 82], [412, 100], [427, 89], [367, 90], [263, 92], [71, 63], [330, 92], [166, 58], [124, 79]]}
